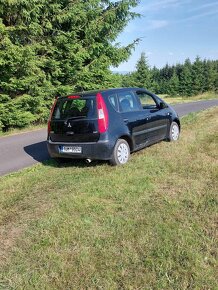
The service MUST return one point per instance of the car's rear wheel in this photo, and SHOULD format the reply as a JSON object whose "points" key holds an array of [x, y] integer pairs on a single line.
{"points": [[121, 153], [174, 132]]}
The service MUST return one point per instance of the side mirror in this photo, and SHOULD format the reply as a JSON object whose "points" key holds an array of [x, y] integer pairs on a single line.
{"points": [[162, 106]]}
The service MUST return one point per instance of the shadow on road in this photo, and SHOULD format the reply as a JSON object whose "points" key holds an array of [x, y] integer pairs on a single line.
{"points": [[39, 152]]}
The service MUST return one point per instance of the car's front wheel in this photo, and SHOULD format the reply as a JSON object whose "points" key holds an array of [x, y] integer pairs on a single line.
{"points": [[121, 153], [174, 132]]}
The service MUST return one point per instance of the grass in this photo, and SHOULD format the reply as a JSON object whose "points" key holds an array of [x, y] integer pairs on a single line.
{"points": [[14, 131], [147, 225], [183, 99]]}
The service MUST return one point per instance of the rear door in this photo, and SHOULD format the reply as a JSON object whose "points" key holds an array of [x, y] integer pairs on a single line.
{"points": [[74, 119], [154, 121], [130, 110]]}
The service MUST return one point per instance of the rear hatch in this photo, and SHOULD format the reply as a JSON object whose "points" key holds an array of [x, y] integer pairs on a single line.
{"points": [[75, 119]]}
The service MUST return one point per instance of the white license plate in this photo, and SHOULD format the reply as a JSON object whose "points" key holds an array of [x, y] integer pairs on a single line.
{"points": [[71, 149]]}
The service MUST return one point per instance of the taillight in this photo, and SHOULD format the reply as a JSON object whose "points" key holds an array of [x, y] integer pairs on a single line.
{"points": [[51, 112], [102, 114]]}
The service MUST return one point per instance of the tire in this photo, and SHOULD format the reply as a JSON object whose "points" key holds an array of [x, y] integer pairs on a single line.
{"points": [[121, 153], [174, 132]]}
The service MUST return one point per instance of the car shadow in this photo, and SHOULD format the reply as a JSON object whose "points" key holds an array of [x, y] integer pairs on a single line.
{"points": [[39, 152]]}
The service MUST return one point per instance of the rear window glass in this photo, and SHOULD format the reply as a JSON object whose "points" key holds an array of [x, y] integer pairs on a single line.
{"points": [[75, 108]]}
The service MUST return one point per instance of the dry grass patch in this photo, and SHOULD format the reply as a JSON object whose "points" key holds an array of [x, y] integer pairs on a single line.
{"points": [[187, 99]]}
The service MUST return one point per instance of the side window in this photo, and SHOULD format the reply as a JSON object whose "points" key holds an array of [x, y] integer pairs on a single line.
{"points": [[146, 100], [127, 102], [113, 101]]}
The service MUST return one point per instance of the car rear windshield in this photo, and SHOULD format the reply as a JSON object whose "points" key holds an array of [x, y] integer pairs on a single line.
{"points": [[84, 107]]}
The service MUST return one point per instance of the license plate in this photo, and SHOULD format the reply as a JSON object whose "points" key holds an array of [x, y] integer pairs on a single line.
{"points": [[71, 149]]}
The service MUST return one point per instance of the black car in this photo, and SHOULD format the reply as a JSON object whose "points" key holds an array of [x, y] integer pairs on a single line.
{"points": [[109, 124]]}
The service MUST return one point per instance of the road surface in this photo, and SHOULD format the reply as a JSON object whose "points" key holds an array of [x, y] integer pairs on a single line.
{"points": [[25, 149]]}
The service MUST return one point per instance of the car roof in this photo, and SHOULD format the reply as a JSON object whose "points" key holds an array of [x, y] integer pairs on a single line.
{"points": [[112, 90]]}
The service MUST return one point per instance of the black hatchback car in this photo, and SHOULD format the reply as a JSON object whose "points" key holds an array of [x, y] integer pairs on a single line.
{"points": [[109, 124]]}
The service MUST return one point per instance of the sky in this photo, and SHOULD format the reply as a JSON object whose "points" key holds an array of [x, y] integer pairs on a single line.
{"points": [[171, 31]]}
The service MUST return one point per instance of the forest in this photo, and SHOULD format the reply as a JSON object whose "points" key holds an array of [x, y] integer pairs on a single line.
{"points": [[187, 79], [50, 48]]}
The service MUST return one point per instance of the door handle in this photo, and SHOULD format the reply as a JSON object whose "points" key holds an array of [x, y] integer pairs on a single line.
{"points": [[126, 120]]}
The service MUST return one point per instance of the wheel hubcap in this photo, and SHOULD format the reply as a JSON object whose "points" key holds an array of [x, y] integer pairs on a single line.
{"points": [[122, 153], [175, 132]]}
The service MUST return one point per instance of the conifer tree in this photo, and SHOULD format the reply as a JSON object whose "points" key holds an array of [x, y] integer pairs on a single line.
{"points": [[173, 85], [216, 75], [185, 84], [54, 47], [209, 76], [197, 76], [129, 80], [143, 74]]}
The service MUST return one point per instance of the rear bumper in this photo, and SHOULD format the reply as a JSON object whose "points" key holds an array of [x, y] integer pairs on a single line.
{"points": [[101, 150]]}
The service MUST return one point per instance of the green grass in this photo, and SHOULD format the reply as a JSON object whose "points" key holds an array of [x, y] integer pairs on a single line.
{"points": [[14, 131], [147, 225], [183, 99]]}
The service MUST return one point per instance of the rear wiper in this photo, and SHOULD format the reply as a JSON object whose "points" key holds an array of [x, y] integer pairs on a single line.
{"points": [[73, 118]]}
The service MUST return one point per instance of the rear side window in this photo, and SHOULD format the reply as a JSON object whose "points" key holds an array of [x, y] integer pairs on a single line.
{"points": [[75, 108], [127, 102], [113, 101]]}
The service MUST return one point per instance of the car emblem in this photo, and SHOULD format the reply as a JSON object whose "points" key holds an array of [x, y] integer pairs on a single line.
{"points": [[69, 126]]}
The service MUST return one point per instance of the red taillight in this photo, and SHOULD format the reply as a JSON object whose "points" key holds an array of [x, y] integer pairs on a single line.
{"points": [[73, 97], [102, 114], [51, 112]]}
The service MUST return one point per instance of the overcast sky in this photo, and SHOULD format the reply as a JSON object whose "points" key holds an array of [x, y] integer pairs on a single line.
{"points": [[172, 30]]}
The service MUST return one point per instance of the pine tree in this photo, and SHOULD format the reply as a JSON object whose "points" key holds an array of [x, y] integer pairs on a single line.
{"points": [[185, 84], [209, 76], [197, 76], [173, 85], [155, 80], [143, 75], [215, 63], [54, 47], [129, 80]]}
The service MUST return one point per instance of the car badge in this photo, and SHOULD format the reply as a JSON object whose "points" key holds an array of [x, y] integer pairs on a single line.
{"points": [[69, 126]]}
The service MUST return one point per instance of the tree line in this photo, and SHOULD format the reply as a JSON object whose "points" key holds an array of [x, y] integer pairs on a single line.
{"points": [[187, 79], [51, 48]]}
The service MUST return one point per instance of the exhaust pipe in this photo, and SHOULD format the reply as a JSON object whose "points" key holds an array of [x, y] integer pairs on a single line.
{"points": [[88, 161]]}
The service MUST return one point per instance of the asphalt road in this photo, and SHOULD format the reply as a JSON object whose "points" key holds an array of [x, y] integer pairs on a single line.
{"points": [[25, 149]]}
